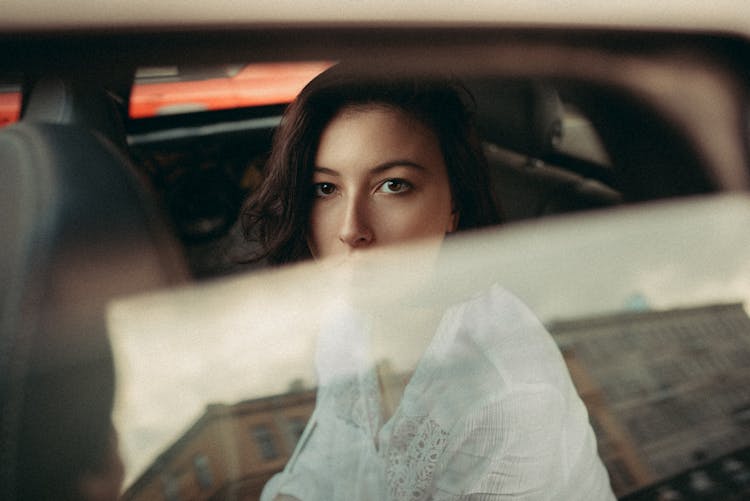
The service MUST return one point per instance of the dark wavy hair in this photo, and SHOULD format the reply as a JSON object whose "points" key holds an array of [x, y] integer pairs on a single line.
{"points": [[277, 214]]}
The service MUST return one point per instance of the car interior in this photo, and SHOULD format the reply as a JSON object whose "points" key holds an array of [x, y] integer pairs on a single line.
{"points": [[98, 205], [204, 177]]}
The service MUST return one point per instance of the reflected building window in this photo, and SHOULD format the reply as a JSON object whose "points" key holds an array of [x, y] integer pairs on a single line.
{"points": [[171, 488], [203, 471], [265, 442]]}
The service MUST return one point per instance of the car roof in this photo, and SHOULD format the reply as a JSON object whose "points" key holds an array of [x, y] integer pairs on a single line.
{"points": [[723, 15]]}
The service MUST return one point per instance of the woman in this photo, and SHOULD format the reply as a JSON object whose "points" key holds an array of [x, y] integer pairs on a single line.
{"points": [[280, 211], [489, 411]]}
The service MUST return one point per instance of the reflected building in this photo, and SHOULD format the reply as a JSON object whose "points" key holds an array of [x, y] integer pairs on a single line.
{"points": [[230, 452], [666, 392]]}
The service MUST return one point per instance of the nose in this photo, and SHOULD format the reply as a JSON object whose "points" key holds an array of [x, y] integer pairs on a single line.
{"points": [[356, 230]]}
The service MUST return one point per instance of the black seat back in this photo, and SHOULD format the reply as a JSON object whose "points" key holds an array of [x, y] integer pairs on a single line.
{"points": [[79, 229]]}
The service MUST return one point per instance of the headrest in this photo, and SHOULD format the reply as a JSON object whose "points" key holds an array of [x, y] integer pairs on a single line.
{"points": [[523, 116], [68, 101]]}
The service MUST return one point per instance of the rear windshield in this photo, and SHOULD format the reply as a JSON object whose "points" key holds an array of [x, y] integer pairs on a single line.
{"points": [[169, 90]]}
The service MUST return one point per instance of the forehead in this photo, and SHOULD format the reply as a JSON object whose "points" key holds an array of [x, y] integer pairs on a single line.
{"points": [[380, 111], [372, 133]]}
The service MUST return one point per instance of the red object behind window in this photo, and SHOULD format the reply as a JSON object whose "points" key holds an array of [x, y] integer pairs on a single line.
{"points": [[254, 85], [10, 107]]}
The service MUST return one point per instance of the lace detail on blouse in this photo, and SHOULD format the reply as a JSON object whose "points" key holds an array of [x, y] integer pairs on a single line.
{"points": [[357, 402], [416, 445]]}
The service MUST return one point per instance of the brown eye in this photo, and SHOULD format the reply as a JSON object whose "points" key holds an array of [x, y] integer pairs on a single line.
{"points": [[395, 186], [324, 189]]}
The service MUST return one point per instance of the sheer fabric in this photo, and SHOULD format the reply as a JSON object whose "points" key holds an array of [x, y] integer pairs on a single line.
{"points": [[490, 413]]}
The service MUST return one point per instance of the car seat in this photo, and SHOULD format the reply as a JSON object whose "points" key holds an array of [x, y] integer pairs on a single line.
{"points": [[79, 229], [522, 123]]}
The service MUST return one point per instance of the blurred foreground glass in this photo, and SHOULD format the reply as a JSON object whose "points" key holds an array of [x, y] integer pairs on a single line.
{"points": [[648, 305]]}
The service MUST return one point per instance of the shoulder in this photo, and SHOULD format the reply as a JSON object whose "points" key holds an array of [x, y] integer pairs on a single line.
{"points": [[507, 335], [496, 306]]}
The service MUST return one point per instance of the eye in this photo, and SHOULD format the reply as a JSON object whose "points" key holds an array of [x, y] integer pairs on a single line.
{"points": [[322, 190], [395, 186]]}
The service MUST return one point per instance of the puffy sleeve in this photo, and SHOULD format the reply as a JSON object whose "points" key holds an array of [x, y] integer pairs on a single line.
{"points": [[509, 448], [527, 437]]}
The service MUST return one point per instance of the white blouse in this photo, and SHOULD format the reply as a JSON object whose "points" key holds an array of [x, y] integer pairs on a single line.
{"points": [[490, 413]]}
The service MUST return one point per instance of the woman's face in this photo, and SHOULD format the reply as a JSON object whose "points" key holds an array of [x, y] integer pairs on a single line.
{"points": [[379, 179]]}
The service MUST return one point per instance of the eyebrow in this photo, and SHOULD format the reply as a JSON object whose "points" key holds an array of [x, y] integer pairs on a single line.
{"points": [[377, 169]]}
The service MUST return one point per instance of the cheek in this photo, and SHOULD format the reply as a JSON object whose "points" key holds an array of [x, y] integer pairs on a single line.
{"points": [[431, 218], [321, 231]]}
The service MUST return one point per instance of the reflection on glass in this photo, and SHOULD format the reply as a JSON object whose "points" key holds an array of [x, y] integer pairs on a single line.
{"points": [[489, 407], [665, 387]]}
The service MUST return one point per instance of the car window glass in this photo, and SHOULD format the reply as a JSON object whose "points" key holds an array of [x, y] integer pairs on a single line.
{"points": [[10, 99], [169, 90], [579, 138], [633, 311]]}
